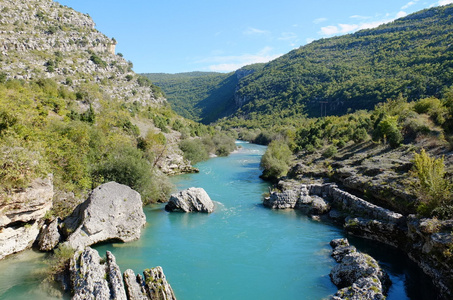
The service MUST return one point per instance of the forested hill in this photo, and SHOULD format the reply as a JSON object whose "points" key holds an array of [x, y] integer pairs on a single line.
{"points": [[202, 96], [412, 56]]}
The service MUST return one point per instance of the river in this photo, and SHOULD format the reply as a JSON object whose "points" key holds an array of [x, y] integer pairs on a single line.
{"points": [[241, 251]]}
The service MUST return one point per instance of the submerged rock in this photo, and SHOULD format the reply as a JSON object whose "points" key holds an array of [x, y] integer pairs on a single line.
{"points": [[190, 200], [112, 212], [91, 278], [358, 275]]}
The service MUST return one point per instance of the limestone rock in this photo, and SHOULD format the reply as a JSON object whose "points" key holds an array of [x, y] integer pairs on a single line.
{"points": [[135, 287], [358, 275], [114, 277], [88, 276], [17, 238], [157, 285], [49, 236], [93, 279], [21, 215], [283, 200], [190, 200], [112, 212]]}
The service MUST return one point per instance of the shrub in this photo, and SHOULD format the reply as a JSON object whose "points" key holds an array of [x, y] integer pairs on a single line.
{"points": [[433, 189], [330, 151], [98, 61], [194, 150], [388, 130], [275, 161], [360, 135], [19, 165], [126, 165]]}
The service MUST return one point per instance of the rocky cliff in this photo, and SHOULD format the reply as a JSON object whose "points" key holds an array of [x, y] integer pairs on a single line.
{"points": [[21, 215], [41, 38]]}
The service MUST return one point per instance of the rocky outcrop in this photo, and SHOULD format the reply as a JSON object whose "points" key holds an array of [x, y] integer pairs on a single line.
{"points": [[430, 246], [21, 215], [49, 237], [427, 241], [91, 278], [190, 200], [358, 275], [112, 212]]}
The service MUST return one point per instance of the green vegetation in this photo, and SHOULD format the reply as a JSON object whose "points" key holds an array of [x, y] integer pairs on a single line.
{"points": [[330, 76], [196, 150], [434, 189], [42, 131], [275, 161], [200, 96], [356, 71]]}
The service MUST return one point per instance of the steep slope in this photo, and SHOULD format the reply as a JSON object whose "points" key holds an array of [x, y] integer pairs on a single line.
{"points": [[43, 39], [72, 107]]}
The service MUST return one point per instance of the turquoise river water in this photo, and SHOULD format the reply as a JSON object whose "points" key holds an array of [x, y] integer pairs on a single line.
{"points": [[241, 251]]}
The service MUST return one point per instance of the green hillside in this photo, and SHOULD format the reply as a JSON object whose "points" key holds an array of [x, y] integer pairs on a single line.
{"points": [[202, 96], [412, 56]]}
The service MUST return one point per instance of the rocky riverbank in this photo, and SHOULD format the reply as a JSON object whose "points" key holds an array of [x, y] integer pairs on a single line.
{"points": [[93, 278], [358, 275], [426, 241]]}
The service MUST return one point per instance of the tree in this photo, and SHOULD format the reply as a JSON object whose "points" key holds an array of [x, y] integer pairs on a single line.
{"points": [[275, 161]]}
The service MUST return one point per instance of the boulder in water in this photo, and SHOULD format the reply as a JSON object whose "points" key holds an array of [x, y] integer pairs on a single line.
{"points": [[112, 212], [190, 200]]}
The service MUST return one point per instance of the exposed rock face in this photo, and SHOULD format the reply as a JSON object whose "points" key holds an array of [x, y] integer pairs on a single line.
{"points": [[426, 241], [112, 212], [21, 214], [429, 245], [49, 236], [88, 276], [358, 275], [190, 200], [93, 279]]}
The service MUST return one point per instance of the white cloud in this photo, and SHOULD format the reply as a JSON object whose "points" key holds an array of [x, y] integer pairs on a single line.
{"points": [[319, 20], [287, 36], [409, 4], [348, 28], [358, 17], [401, 14], [329, 30], [445, 2], [254, 31], [234, 62]]}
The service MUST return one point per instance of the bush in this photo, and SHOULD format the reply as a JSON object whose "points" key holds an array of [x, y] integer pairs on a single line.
{"points": [[194, 150], [433, 189], [19, 165], [126, 165], [275, 161], [330, 151], [388, 131]]}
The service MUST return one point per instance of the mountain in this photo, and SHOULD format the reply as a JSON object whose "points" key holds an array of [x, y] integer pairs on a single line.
{"points": [[412, 56], [202, 96], [70, 106]]}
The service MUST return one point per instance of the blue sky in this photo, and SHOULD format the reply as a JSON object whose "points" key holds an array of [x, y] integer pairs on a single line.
{"points": [[173, 36]]}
